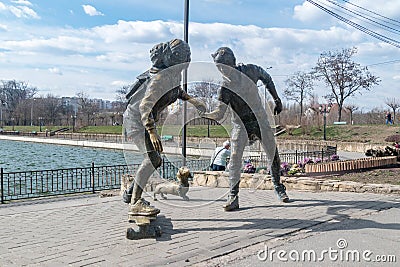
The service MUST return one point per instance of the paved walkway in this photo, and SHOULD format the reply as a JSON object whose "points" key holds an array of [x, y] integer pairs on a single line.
{"points": [[90, 231]]}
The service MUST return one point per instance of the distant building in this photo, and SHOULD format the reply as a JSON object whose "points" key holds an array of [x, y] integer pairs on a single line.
{"points": [[70, 103], [102, 104]]}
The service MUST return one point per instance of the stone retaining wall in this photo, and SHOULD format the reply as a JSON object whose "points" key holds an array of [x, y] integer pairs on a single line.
{"points": [[348, 165], [310, 145], [263, 182]]}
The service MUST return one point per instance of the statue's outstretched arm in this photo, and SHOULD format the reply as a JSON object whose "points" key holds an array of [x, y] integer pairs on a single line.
{"points": [[269, 84], [200, 105]]}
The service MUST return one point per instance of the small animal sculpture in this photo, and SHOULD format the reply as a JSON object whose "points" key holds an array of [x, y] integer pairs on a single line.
{"points": [[179, 189]]}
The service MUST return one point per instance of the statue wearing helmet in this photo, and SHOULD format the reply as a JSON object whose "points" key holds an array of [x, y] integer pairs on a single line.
{"points": [[153, 92]]}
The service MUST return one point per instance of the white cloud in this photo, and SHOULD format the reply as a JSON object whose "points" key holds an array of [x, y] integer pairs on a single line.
{"points": [[118, 83], [23, 12], [2, 6], [91, 11], [22, 2], [308, 13], [3, 27], [55, 71], [68, 44], [391, 8], [106, 56], [138, 31]]}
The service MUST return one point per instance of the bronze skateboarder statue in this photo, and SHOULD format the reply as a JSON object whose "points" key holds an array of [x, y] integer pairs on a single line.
{"points": [[250, 121], [153, 92]]}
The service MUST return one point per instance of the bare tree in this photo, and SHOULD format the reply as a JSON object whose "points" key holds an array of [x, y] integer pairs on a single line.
{"points": [[351, 108], [15, 96], [299, 87], [86, 106], [207, 91], [122, 92], [394, 104], [343, 76], [51, 108]]}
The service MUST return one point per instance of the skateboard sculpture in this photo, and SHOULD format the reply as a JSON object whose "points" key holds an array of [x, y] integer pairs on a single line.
{"points": [[143, 226]]}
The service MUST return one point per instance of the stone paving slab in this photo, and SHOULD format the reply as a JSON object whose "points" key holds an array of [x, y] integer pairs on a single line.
{"points": [[90, 231]]}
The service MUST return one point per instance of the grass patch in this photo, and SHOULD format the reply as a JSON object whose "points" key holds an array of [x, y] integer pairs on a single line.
{"points": [[101, 129], [347, 133], [32, 128], [197, 130]]}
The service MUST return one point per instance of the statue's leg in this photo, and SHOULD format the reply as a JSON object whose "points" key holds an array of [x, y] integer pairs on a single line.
{"points": [[151, 162], [127, 196], [134, 131], [280, 188], [238, 141], [139, 137]]}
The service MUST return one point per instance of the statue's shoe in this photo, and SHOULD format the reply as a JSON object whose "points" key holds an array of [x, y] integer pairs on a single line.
{"points": [[280, 191], [142, 208], [127, 197], [232, 203]]}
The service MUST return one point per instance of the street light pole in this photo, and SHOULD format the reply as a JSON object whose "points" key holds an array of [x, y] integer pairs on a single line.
{"points": [[186, 39], [324, 109], [324, 123], [40, 124], [1, 114], [73, 117], [32, 113]]}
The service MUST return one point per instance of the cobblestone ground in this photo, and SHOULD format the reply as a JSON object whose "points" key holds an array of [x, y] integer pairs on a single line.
{"points": [[90, 231]]}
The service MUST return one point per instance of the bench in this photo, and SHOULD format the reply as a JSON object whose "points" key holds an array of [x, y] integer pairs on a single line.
{"points": [[167, 138], [339, 123]]}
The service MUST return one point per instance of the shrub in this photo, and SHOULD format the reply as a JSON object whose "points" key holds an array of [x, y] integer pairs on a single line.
{"points": [[285, 167], [393, 138], [318, 160], [295, 169], [334, 157], [249, 168]]}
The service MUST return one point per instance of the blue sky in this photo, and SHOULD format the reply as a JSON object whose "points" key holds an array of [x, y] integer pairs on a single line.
{"points": [[68, 46]]}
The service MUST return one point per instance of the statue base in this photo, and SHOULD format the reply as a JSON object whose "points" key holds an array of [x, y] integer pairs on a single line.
{"points": [[143, 227]]}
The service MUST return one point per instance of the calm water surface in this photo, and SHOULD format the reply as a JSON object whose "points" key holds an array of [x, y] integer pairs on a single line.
{"points": [[29, 156]]}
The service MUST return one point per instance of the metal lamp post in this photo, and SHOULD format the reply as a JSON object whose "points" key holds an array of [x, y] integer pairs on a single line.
{"points": [[324, 109], [1, 114], [73, 117], [2, 103], [40, 123], [186, 39], [32, 111]]}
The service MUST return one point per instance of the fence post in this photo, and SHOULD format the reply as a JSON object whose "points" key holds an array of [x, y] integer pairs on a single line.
{"points": [[163, 168], [322, 154], [2, 191], [296, 159], [92, 176]]}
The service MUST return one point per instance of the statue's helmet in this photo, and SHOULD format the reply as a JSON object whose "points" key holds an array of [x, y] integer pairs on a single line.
{"points": [[171, 53], [224, 55], [179, 52], [156, 55]]}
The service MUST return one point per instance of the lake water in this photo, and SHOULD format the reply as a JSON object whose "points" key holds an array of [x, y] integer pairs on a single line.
{"points": [[29, 156]]}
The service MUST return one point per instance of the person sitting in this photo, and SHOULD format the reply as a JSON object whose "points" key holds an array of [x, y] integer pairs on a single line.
{"points": [[219, 158]]}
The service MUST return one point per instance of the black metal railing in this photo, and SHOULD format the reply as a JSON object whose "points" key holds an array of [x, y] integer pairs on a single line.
{"points": [[169, 169], [296, 157], [41, 183]]}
